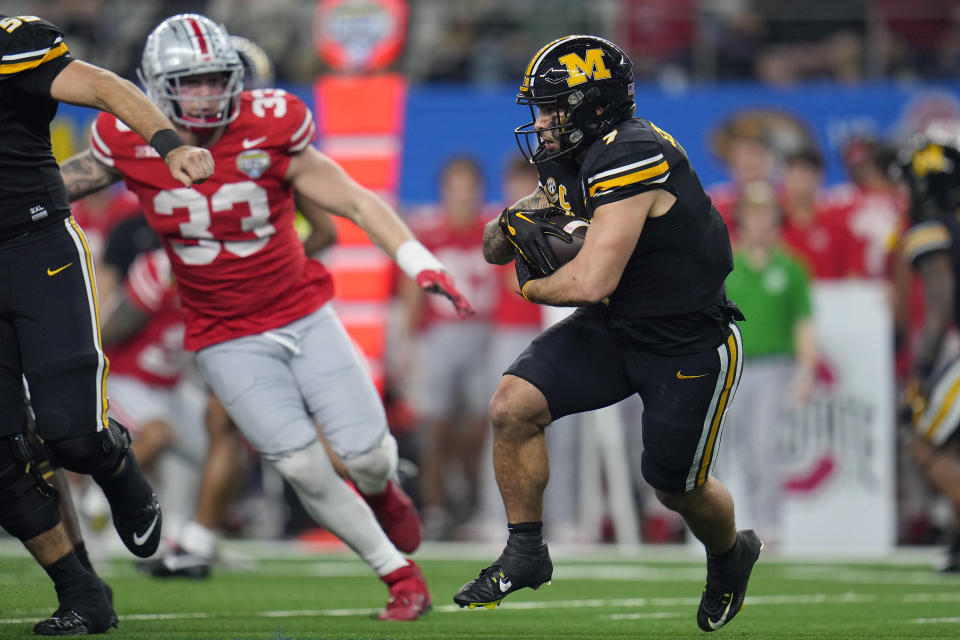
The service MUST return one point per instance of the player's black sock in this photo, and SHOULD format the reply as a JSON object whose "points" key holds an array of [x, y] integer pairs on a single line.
{"points": [[80, 549], [525, 534], [71, 580]]}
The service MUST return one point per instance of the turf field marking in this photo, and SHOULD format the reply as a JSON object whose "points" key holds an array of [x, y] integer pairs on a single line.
{"points": [[774, 600], [659, 615], [820, 573], [935, 620]]}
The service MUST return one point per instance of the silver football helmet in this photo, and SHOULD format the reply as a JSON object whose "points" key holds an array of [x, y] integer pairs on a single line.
{"points": [[180, 48]]}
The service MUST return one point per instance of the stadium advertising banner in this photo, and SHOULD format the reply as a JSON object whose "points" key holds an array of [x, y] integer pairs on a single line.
{"points": [[839, 448], [441, 121], [481, 121]]}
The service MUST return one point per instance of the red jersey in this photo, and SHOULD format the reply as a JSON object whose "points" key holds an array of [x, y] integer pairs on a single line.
{"points": [[239, 265], [826, 246], [461, 252], [116, 205], [874, 217], [155, 355]]}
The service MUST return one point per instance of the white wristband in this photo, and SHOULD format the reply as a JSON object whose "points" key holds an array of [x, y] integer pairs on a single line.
{"points": [[413, 257]]}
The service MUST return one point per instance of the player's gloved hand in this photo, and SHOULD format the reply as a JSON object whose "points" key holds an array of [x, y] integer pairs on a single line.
{"points": [[440, 282], [526, 229], [524, 273]]}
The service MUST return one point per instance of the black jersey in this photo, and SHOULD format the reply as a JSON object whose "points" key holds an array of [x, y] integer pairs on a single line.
{"points": [[32, 53], [671, 293], [941, 234]]}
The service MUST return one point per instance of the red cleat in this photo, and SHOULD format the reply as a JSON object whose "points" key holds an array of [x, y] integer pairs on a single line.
{"points": [[409, 598], [398, 517]]}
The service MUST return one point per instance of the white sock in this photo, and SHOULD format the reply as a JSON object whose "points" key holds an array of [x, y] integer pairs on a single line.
{"points": [[197, 540], [329, 501]]}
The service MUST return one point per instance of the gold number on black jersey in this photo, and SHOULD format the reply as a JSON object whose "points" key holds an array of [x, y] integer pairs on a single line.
{"points": [[11, 24], [663, 134], [669, 138], [610, 137]]}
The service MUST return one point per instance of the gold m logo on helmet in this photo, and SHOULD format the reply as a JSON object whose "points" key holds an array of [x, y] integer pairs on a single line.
{"points": [[580, 69], [929, 159]]}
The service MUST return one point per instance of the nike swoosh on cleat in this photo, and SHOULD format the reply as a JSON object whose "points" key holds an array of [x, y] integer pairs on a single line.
{"points": [[140, 539], [505, 585], [723, 619]]}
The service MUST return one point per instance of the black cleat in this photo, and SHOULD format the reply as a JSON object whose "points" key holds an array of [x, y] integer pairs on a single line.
{"points": [[81, 618], [176, 563], [139, 528], [63, 622], [67, 622], [727, 581], [515, 569]]}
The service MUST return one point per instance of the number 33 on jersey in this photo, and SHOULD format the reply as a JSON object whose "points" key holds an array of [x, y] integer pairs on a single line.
{"points": [[231, 240]]}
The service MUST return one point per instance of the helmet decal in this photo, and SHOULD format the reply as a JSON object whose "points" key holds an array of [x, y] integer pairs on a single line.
{"points": [[581, 69]]}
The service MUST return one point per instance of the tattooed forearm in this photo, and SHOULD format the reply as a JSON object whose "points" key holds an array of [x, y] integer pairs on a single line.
{"points": [[496, 248], [83, 174]]}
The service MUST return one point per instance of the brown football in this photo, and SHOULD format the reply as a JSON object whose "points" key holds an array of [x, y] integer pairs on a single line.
{"points": [[576, 227]]}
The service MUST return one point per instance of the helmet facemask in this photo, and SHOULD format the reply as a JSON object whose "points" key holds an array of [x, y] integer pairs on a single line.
{"points": [[581, 117]]}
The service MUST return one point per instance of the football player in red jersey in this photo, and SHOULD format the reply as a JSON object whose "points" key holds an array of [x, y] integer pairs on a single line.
{"points": [[258, 313]]}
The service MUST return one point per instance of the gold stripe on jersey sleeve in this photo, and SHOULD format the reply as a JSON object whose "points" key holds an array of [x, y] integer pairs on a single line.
{"points": [[17, 67], [919, 239], [631, 178]]}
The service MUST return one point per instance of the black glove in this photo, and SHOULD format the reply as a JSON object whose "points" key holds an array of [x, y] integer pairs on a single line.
{"points": [[526, 229], [524, 272]]}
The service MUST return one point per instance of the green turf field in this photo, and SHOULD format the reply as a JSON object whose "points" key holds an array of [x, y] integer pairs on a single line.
{"points": [[608, 596]]}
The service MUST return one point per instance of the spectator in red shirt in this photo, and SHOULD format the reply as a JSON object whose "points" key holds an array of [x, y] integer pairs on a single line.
{"points": [[451, 388], [749, 158], [875, 208], [813, 228]]}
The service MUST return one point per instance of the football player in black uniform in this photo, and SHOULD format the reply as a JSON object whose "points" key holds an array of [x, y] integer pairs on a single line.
{"points": [[652, 319], [931, 245], [49, 330]]}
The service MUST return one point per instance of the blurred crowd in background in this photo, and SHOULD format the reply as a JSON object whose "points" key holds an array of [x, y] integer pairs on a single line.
{"points": [[671, 42], [783, 219]]}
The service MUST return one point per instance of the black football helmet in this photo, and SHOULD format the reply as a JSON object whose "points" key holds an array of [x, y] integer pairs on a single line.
{"points": [[931, 170], [588, 80]]}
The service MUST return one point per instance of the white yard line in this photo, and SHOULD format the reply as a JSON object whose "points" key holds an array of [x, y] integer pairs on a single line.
{"points": [[598, 603]]}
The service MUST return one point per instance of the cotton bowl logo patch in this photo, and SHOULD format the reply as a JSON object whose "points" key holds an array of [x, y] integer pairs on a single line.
{"points": [[254, 162]]}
